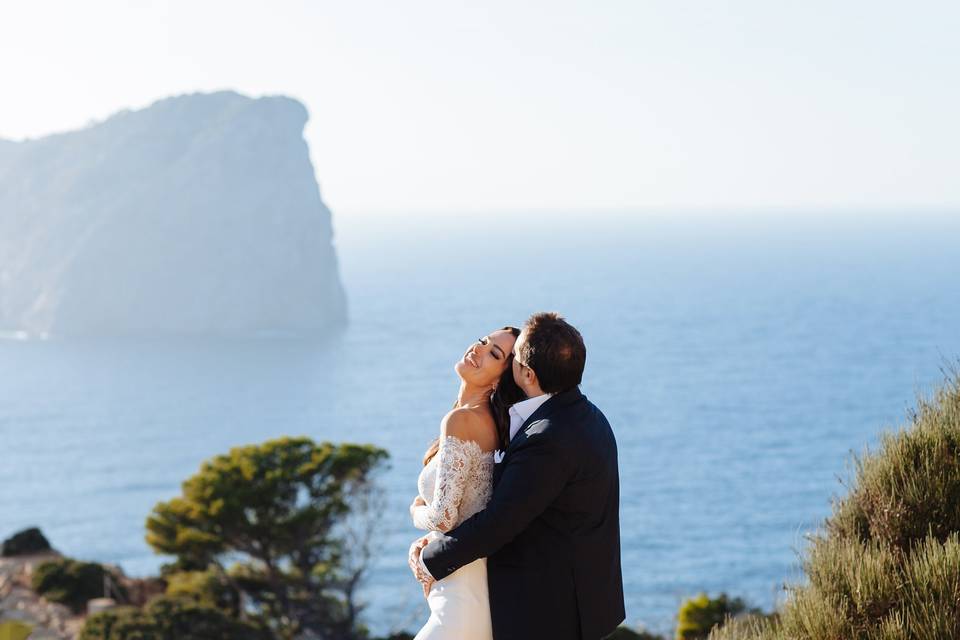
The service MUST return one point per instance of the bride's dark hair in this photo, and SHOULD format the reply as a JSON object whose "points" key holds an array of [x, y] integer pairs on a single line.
{"points": [[507, 393]]}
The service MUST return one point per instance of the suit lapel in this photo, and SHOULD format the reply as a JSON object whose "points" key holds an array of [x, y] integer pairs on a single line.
{"points": [[543, 412], [538, 414]]}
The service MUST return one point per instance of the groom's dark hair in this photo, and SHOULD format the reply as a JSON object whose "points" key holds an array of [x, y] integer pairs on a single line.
{"points": [[555, 351]]}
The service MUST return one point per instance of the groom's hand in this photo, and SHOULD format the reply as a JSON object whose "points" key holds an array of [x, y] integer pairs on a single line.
{"points": [[416, 566]]}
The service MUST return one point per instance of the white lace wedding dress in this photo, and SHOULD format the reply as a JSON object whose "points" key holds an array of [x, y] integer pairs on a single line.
{"points": [[456, 484]]}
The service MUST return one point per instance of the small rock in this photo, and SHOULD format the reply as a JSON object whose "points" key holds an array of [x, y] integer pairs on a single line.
{"points": [[24, 542]]}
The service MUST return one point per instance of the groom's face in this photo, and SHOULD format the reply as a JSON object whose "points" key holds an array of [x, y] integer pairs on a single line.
{"points": [[521, 372]]}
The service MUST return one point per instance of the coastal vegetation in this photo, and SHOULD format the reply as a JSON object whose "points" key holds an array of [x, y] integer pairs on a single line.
{"points": [[626, 633], [701, 614], [284, 526], [886, 564], [166, 618], [74, 583], [696, 618]]}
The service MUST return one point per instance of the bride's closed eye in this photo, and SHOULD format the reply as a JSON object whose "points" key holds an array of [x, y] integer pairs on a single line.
{"points": [[496, 356], [484, 342]]}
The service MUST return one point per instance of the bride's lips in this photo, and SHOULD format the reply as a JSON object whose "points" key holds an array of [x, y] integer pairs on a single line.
{"points": [[468, 358]]}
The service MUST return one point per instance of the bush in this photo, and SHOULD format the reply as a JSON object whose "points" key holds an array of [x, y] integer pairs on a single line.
{"points": [[886, 564], [72, 582], [168, 619], [909, 489], [180, 619], [113, 624], [700, 614], [208, 588], [750, 627], [24, 542], [626, 633]]}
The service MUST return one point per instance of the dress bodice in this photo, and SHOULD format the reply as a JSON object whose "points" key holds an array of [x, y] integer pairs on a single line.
{"points": [[455, 484]]}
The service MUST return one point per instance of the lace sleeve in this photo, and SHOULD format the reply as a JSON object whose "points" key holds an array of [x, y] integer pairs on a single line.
{"points": [[453, 470]]}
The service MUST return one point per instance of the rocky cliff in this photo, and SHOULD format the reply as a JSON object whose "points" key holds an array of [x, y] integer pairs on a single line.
{"points": [[199, 214]]}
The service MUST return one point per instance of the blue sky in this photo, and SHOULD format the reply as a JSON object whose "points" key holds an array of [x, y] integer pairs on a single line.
{"points": [[449, 106]]}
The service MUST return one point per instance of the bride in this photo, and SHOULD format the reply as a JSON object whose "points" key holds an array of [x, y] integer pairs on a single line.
{"points": [[457, 480]]}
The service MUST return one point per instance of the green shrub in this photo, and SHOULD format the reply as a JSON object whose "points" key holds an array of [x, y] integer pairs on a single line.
{"points": [[750, 627], [168, 619], [910, 488], [180, 619], [112, 624], [24, 542], [886, 565], [626, 633], [700, 614], [210, 588], [72, 582]]}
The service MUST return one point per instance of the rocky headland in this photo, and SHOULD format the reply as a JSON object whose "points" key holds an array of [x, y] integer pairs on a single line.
{"points": [[199, 214]]}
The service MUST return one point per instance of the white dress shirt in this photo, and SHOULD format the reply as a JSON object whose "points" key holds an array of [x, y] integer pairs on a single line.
{"points": [[519, 413]]}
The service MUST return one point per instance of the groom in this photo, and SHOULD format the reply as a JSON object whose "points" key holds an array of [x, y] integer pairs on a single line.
{"points": [[551, 531]]}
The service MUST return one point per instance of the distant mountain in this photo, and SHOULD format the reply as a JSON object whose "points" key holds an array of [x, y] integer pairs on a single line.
{"points": [[199, 214]]}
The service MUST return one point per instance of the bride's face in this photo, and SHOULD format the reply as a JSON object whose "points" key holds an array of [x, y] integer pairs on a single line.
{"points": [[486, 359]]}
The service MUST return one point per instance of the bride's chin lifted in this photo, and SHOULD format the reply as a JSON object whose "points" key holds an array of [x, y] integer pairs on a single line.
{"points": [[462, 369]]}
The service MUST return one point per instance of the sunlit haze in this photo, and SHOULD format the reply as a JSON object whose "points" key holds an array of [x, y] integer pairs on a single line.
{"points": [[450, 107]]}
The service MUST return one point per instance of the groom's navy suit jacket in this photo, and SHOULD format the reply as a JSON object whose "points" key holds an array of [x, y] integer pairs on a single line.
{"points": [[551, 531]]}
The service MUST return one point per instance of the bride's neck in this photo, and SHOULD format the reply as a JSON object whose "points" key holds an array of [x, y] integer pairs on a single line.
{"points": [[472, 396]]}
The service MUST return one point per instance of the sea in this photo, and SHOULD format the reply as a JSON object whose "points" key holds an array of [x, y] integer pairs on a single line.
{"points": [[742, 358]]}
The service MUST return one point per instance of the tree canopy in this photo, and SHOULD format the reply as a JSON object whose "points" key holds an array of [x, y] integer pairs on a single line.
{"points": [[278, 512]]}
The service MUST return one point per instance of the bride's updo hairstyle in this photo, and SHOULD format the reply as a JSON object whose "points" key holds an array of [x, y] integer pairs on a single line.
{"points": [[506, 393]]}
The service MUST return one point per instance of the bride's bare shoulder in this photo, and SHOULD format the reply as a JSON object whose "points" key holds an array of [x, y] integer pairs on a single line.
{"points": [[470, 424]]}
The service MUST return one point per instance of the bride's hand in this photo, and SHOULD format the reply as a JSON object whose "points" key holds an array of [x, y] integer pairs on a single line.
{"points": [[413, 561], [417, 502]]}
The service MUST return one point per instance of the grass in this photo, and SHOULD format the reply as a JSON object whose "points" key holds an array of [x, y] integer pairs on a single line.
{"points": [[886, 563]]}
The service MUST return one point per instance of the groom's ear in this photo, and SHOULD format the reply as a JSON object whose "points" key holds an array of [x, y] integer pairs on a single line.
{"points": [[529, 376]]}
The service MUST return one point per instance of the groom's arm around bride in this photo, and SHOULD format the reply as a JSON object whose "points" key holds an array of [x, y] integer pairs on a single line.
{"points": [[550, 532]]}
